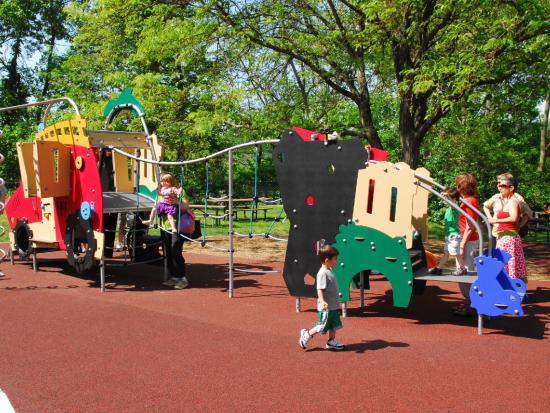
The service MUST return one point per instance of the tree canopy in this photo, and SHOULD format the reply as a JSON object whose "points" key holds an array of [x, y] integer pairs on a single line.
{"points": [[452, 85]]}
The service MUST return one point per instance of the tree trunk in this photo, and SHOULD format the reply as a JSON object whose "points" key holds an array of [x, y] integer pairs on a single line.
{"points": [[410, 139], [367, 125], [544, 133]]}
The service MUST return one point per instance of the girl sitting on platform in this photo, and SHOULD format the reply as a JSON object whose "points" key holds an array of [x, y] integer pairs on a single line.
{"points": [[169, 204]]}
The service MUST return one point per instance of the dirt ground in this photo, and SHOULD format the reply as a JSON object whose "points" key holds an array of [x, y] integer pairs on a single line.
{"points": [[537, 254]]}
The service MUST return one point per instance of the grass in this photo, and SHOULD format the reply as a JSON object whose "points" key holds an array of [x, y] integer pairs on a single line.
{"points": [[241, 225]]}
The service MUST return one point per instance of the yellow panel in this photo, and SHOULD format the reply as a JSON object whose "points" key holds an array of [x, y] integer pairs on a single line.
{"points": [[26, 168], [100, 237], [69, 132], [124, 179], [386, 177], [52, 168], [147, 171]]}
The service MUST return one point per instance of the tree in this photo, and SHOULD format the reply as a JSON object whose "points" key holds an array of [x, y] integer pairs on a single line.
{"points": [[544, 133], [433, 52]]}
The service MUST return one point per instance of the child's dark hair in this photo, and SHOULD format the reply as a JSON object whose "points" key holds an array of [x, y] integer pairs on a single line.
{"points": [[327, 252], [452, 193]]}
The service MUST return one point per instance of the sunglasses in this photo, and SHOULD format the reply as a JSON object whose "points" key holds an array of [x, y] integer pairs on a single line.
{"points": [[503, 186]]}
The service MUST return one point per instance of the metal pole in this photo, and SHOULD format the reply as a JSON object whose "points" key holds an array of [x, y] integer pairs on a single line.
{"points": [[298, 304], [362, 289], [34, 261], [480, 324], [165, 260], [102, 274], [11, 257], [230, 212], [344, 309]]}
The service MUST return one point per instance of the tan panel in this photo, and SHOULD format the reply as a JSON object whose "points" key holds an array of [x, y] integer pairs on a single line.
{"points": [[26, 168], [420, 206], [52, 168], [44, 245], [45, 231], [386, 177], [11, 237], [124, 179], [118, 139], [68, 132], [100, 237], [147, 171]]}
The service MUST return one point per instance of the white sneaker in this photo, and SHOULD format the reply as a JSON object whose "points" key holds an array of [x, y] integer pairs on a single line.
{"points": [[304, 338], [181, 284], [334, 345], [171, 282]]}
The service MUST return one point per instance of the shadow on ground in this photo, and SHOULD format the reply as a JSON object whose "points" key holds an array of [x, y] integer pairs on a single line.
{"points": [[435, 306]]}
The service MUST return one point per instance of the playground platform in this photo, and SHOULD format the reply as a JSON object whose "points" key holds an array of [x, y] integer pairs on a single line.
{"points": [[138, 347]]}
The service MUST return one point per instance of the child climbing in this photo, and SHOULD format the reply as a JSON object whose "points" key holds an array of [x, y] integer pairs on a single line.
{"points": [[169, 204], [327, 302], [452, 235]]}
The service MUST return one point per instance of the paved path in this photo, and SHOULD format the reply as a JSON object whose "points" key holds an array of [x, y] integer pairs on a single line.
{"points": [[66, 347]]}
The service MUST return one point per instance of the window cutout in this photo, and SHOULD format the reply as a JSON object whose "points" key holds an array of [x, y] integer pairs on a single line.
{"points": [[310, 200], [281, 156], [331, 169], [393, 206], [370, 197], [56, 165], [75, 131], [59, 132], [67, 131]]}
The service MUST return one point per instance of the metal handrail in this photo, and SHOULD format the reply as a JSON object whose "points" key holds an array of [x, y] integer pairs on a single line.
{"points": [[48, 103], [476, 210], [192, 161]]}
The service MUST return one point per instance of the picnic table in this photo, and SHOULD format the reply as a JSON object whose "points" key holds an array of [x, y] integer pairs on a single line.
{"points": [[540, 224], [240, 205]]}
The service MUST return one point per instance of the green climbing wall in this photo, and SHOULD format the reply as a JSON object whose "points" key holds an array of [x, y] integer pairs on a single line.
{"points": [[362, 248]]}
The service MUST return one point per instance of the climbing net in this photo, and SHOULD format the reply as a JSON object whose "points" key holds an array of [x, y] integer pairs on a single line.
{"points": [[207, 198]]}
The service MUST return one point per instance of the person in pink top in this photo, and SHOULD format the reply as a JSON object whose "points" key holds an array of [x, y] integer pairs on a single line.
{"points": [[170, 198], [507, 222], [467, 187]]}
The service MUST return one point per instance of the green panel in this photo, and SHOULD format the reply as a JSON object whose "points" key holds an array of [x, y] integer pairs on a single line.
{"points": [[148, 192], [362, 248], [125, 98]]}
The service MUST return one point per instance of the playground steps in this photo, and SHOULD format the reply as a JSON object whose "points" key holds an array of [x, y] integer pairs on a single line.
{"points": [[416, 259]]}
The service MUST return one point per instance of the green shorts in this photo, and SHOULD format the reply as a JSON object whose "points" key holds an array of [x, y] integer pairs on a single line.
{"points": [[328, 320]]}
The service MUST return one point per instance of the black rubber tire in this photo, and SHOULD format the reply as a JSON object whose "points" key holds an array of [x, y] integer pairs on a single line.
{"points": [[81, 262], [23, 234]]}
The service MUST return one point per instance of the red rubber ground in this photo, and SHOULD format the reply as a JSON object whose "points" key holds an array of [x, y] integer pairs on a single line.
{"points": [[67, 347]]}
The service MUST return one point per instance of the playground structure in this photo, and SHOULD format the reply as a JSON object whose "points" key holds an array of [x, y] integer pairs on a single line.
{"points": [[73, 187], [75, 181], [374, 212]]}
